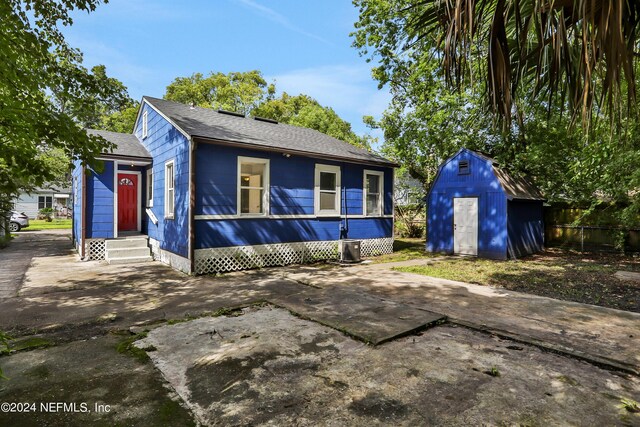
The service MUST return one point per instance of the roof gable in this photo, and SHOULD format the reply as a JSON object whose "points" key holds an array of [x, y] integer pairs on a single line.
{"points": [[206, 123], [518, 188]]}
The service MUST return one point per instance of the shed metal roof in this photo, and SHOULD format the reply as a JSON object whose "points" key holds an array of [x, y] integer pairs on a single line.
{"points": [[209, 124], [126, 144]]}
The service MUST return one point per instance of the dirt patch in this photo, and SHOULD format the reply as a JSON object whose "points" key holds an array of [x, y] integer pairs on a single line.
{"points": [[572, 276]]}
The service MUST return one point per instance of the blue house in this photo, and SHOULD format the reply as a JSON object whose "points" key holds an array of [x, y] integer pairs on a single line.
{"points": [[211, 191], [476, 208]]}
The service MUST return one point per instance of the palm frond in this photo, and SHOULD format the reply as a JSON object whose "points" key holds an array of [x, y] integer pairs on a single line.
{"points": [[575, 52]]}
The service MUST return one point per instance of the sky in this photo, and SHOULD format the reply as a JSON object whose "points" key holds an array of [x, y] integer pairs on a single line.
{"points": [[302, 45]]}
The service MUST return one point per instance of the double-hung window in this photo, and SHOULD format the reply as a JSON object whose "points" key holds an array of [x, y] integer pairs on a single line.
{"points": [[327, 190], [169, 190], [253, 186], [150, 187], [45, 202], [373, 192]]}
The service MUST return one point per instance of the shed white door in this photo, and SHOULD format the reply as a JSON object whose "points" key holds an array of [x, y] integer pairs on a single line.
{"points": [[465, 225]]}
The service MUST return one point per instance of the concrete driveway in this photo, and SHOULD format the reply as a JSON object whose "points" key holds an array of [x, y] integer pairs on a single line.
{"points": [[26, 245], [81, 307]]}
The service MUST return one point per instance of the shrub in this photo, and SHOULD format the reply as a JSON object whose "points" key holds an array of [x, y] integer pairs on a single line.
{"points": [[46, 214]]}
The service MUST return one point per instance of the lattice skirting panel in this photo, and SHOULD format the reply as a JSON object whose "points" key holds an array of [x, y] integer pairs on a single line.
{"points": [[375, 247], [94, 249], [218, 260]]}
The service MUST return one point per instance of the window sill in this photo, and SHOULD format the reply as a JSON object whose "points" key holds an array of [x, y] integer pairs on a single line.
{"points": [[328, 215], [169, 217]]}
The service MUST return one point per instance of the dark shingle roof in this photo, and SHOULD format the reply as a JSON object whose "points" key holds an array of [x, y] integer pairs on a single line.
{"points": [[514, 186], [210, 124], [517, 187], [126, 144]]}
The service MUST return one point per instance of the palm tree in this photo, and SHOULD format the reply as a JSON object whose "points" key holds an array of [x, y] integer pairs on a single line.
{"points": [[580, 53]]}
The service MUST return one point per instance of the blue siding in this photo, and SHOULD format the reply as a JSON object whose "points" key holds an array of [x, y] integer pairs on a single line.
{"points": [[482, 183], [164, 142], [525, 228], [292, 181], [99, 206], [237, 232]]}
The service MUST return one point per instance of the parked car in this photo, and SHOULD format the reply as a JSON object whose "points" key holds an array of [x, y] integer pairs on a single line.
{"points": [[18, 221]]}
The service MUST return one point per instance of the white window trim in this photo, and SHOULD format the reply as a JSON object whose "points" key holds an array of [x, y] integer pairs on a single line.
{"points": [[45, 202], [149, 180], [316, 191], [266, 185], [166, 190], [364, 192], [145, 124]]}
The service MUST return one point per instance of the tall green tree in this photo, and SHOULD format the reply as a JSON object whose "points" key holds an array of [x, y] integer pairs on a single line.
{"points": [[431, 116], [236, 91], [108, 95], [304, 111], [250, 94], [122, 120], [580, 53], [35, 62]]}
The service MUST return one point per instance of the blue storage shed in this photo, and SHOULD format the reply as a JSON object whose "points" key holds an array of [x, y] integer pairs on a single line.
{"points": [[209, 191], [476, 208]]}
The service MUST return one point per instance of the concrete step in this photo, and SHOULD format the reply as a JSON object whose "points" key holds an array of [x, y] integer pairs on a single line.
{"points": [[137, 242], [129, 260], [127, 252]]}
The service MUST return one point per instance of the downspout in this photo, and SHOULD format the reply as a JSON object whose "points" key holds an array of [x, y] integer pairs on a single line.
{"points": [[83, 204], [192, 203], [344, 228]]}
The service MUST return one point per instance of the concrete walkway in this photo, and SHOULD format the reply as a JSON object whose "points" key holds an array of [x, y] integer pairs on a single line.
{"points": [[26, 245], [73, 300]]}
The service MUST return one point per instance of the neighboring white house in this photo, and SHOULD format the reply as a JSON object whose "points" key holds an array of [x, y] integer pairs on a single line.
{"points": [[58, 198], [407, 190]]}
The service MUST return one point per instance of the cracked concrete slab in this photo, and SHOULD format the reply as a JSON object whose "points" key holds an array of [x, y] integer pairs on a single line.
{"points": [[600, 334], [267, 367], [368, 318]]}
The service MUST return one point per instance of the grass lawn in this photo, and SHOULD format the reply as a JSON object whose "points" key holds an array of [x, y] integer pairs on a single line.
{"points": [[405, 249], [555, 273], [40, 224]]}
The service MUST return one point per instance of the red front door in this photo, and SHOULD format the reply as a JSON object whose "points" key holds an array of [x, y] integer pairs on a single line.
{"points": [[127, 202]]}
